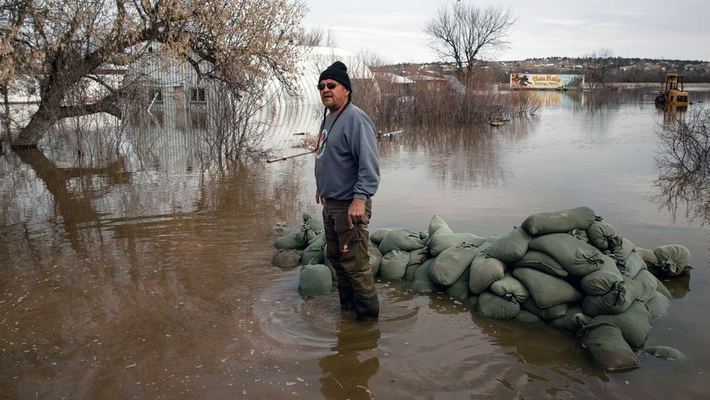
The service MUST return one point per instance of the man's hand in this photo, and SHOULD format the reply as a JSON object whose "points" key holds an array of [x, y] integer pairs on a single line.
{"points": [[319, 199], [356, 213]]}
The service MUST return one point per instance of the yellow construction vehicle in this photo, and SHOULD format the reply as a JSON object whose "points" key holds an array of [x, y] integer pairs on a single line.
{"points": [[672, 94]]}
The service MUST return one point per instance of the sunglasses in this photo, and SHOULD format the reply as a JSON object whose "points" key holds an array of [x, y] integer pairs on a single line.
{"points": [[329, 85]]}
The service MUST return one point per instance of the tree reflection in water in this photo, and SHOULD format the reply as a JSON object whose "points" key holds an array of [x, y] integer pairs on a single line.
{"points": [[684, 164]]}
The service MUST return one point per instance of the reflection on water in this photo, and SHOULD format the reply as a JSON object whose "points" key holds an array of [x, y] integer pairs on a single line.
{"points": [[684, 163], [135, 268], [344, 374]]}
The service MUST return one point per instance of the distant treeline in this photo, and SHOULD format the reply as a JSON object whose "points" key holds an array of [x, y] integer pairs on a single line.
{"points": [[619, 69], [615, 69]]}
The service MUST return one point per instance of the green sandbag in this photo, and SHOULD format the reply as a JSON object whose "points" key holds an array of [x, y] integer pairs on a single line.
{"points": [[542, 262], [485, 271], [548, 313], [510, 288], [546, 290], [422, 282], [315, 280], [634, 323], [646, 285], [286, 258], [658, 305], [459, 289], [621, 248], [648, 257], [492, 306], [575, 256], [280, 228], [631, 265], [315, 252], [527, 316], [661, 287], [411, 270], [601, 282], [424, 236], [394, 264], [295, 240], [487, 244], [313, 224], [451, 263], [418, 256], [600, 234], [573, 320], [442, 241], [666, 353], [672, 258], [377, 236], [333, 276], [558, 222], [580, 234], [375, 258], [400, 239], [511, 247], [608, 348], [472, 301], [438, 225], [618, 300]]}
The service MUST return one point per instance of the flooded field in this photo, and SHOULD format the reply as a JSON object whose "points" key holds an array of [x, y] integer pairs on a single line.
{"points": [[151, 278]]}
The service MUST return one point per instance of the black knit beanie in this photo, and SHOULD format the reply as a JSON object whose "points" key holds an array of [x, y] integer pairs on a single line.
{"points": [[337, 72]]}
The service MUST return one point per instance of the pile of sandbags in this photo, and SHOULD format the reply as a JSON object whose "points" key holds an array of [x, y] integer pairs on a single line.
{"points": [[569, 268], [304, 246]]}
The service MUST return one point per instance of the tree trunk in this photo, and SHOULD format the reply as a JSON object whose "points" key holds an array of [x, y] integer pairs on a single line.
{"points": [[30, 135], [47, 115], [6, 116]]}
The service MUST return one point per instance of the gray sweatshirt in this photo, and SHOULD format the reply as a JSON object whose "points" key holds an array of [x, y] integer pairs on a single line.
{"points": [[349, 165]]}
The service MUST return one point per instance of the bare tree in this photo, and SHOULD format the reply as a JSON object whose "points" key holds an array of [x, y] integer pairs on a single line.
{"points": [[61, 44], [462, 32], [598, 68], [371, 59], [312, 37]]}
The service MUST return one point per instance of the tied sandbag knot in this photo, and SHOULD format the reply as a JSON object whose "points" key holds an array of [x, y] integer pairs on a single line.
{"points": [[581, 320], [623, 268], [592, 259], [667, 266], [620, 290], [510, 297], [307, 233], [613, 241]]}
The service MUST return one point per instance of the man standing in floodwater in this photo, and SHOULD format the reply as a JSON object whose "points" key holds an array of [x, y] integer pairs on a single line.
{"points": [[347, 176]]}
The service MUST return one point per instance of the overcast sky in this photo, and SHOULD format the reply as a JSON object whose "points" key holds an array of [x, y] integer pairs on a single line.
{"points": [[630, 28]]}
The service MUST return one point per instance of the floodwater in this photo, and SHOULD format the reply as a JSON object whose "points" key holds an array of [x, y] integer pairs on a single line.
{"points": [[152, 278]]}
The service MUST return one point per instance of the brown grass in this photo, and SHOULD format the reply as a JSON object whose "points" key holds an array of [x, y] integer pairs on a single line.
{"points": [[436, 102]]}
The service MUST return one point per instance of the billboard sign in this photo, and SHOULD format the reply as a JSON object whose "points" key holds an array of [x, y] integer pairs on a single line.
{"points": [[545, 81]]}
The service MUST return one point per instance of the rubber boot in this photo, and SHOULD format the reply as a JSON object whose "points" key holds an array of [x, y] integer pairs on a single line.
{"points": [[367, 308], [347, 301]]}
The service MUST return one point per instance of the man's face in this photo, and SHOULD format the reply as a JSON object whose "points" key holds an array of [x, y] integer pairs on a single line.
{"points": [[333, 95]]}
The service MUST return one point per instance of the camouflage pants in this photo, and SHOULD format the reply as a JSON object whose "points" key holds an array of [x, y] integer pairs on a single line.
{"points": [[346, 248]]}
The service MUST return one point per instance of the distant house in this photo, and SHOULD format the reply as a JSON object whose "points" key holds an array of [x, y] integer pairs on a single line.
{"points": [[300, 110], [167, 82], [430, 83], [392, 84]]}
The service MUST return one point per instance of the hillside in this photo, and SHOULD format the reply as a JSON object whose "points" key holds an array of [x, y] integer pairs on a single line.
{"points": [[617, 69]]}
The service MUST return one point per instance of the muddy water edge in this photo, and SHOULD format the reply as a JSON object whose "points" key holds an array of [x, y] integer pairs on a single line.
{"points": [[125, 279]]}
